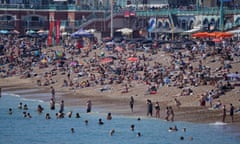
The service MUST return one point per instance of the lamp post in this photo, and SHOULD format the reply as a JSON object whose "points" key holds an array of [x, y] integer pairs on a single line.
{"points": [[111, 7], [221, 21]]}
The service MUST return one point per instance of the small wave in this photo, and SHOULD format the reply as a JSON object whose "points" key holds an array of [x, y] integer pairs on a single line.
{"points": [[218, 123], [33, 100], [11, 94]]}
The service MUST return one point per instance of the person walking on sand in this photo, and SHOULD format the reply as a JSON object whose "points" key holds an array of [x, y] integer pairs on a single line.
{"points": [[89, 106], [150, 107], [224, 113], [131, 103], [167, 113], [157, 109], [232, 112], [177, 102], [171, 113]]}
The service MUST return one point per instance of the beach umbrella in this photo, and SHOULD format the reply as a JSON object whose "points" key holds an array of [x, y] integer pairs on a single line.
{"points": [[43, 61], [118, 48], [3, 31], [15, 32], [200, 35], [81, 33], [216, 40], [214, 34], [59, 54], [224, 35], [132, 59], [73, 63], [110, 43], [106, 60], [30, 32]]}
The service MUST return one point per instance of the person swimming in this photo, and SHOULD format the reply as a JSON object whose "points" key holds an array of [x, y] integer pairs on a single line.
{"points": [[173, 129], [109, 116], [132, 127], [139, 134], [29, 115], [40, 109], [25, 107], [24, 114], [181, 138], [72, 130], [47, 116], [10, 112], [100, 122], [78, 115], [20, 105], [112, 131], [86, 122], [69, 114]]}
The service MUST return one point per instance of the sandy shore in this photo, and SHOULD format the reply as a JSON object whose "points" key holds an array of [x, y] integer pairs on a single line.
{"points": [[118, 104]]}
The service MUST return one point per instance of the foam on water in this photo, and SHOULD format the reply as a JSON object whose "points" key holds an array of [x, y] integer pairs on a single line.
{"points": [[218, 123]]}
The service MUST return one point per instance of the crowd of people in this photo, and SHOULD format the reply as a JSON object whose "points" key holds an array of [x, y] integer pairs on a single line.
{"points": [[107, 64]]}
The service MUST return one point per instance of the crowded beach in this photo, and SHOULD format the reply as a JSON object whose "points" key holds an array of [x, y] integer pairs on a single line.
{"points": [[197, 77]]}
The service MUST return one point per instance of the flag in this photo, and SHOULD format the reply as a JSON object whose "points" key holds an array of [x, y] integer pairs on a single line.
{"points": [[57, 32], [50, 38]]}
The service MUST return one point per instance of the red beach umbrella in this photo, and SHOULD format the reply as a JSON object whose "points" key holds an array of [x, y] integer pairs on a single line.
{"points": [[217, 40], [201, 34], [118, 48], [106, 60], [132, 59]]}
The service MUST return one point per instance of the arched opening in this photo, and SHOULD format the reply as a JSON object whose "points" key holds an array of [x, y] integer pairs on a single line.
{"points": [[184, 24], [34, 22], [206, 24], [7, 22], [159, 25], [237, 21], [166, 25], [190, 26]]}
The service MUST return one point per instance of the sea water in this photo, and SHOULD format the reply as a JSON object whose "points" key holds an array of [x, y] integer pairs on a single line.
{"points": [[16, 129]]}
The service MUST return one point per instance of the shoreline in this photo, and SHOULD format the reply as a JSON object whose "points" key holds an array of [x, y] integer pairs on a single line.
{"points": [[117, 105]]}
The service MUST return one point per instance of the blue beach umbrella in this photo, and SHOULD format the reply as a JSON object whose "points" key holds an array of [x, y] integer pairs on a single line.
{"points": [[3, 31]]}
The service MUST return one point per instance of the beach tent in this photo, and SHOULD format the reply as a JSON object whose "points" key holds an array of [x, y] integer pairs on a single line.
{"points": [[125, 31], [81, 33]]}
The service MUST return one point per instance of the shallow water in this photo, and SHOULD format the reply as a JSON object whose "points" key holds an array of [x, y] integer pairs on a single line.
{"points": [[15, 129]]}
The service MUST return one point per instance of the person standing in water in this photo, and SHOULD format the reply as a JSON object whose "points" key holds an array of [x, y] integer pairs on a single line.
{"points": [[224, 113], [131, 103], [89, 106], [53, 93], [52, 104], [61, 107], [232, 112]]}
